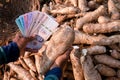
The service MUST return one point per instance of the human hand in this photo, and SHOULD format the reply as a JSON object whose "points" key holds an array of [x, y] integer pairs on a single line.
{"points": [[22, 41], [61, 59]]}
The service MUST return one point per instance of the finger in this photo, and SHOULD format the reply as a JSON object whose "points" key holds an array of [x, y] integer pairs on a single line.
{"points": [[28, 39], [18, 34], [67, 53], [31, 38], [16, 38], [31, 50], [41, 50], [69, 50]]}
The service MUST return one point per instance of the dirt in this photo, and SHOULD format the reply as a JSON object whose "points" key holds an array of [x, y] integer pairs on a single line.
{"points": [[7, 32]]}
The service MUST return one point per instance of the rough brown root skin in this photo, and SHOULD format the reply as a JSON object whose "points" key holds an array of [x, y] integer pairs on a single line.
{"points": [[102, 28], [82, 4], [6, 76], [61, 40], [90, 73], [33, 74], [74, 2], [118, 73], [105, 70], [93, 5], [23, 74], [12, 78], [90, 16], [60, 18], [107, 60], [82, 38], [113, 11], [112, 78], [37, 62], [66, 10], [104, 19], [115, 54], [30, 63], [58, 1], [93, 50], [45, 9], [23, 64], [76, 65], [109, 40], [114, 47], [98, 1]]}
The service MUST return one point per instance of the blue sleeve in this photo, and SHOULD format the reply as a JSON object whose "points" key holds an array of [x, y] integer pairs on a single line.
{"points": [[9, 53], [54, 74]]}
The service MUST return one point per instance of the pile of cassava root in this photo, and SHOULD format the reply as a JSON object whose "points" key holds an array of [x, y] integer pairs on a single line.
{"points": [[93, 26]]}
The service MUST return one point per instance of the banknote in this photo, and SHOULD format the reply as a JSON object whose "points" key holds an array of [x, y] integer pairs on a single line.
{"points": [[36, 23]]}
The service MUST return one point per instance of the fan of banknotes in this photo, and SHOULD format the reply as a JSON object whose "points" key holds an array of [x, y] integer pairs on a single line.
{"points": [[36, 23]]}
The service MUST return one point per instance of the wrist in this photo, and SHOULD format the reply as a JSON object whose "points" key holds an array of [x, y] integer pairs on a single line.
{"points": [[20, 45], [55, 65]]}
